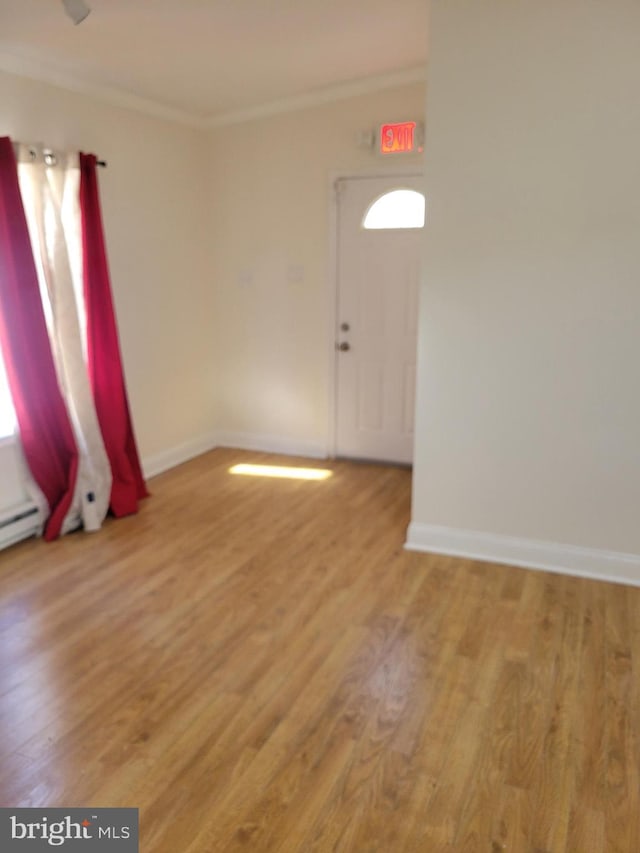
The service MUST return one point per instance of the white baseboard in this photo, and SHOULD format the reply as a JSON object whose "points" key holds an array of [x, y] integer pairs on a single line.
{"points": [[159, 462], [528, 553], [271, 444]]}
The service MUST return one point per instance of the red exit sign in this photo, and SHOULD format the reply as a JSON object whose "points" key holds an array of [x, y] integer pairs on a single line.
{"points": [[400, 138]]}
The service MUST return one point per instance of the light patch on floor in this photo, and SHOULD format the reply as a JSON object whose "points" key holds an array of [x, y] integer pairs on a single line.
{"points": [[286, 472]]}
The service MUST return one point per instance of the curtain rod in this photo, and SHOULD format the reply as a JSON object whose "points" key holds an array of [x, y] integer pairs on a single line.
{"points": [[47, 151]]}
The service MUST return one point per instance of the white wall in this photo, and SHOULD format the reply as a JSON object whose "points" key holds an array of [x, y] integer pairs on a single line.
{"points": [[205, 231], [155, 213], [528, 421], [12, 480], [270, 192]]}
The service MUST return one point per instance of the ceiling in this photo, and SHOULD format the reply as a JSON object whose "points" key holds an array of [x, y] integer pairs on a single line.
{"points": [[213, 61]]}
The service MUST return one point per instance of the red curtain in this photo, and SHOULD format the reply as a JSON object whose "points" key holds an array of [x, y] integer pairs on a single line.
{"points": [[103, 351], [45, 431]]}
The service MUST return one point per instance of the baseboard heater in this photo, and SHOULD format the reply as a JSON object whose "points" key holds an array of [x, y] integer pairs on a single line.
{"points": [[18, 522]]}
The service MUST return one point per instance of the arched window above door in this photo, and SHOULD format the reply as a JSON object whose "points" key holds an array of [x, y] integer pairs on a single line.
{"points": [[400, 208]]}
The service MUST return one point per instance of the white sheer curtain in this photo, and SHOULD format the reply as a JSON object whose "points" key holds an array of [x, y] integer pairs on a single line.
{"points": [[9, 429], [50, 190], [7, 414]]}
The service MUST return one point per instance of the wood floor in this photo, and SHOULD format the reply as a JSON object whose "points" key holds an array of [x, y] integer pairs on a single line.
{"points": [[258, 665]]}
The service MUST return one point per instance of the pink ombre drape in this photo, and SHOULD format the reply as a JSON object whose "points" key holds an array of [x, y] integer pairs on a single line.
{"points": [[103, 352], [45, 430]]}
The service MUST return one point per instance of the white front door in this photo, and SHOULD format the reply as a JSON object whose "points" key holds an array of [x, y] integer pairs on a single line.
{"points": [[376, 337]]}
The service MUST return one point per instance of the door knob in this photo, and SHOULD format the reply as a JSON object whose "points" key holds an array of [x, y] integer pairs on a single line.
{"points": [[345, 327], [344, 346]]}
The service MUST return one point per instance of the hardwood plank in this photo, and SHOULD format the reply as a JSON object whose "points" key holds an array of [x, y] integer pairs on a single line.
{"points": [[259, 665]]}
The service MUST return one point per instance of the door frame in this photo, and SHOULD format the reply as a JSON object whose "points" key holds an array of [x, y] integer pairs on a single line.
{"points": [[407, 171]]}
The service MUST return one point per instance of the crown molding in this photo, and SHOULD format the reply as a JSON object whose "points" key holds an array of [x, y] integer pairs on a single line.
{"points": [[23, 67], [31, 69], [340, 92]]}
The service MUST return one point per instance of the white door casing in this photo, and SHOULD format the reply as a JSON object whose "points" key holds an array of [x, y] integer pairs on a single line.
{"points": [[378, 272]]}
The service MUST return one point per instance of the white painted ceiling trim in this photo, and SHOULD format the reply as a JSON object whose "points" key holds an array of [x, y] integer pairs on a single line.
{"points": [[327, 95], [32, 70]]}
